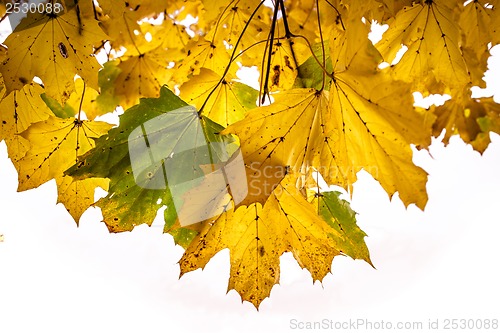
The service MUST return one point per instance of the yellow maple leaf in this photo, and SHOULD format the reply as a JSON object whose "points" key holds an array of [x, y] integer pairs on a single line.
{"points": [[431, 33], [202, 53], [54, 48], [142, 76], [478, 22], [78, 195], [55, 145], [284, 133], [18, 111], [227, 102], [257, 235], [373, 130], [250, 16], [120, 19], [462, 116]]}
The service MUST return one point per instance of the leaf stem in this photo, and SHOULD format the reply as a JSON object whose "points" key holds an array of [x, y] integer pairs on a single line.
{"points": [[270, 54], [322, 45], [231, 59]]}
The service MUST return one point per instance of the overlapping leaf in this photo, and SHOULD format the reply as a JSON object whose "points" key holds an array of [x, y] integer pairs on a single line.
{"points": [[54, 145], [432, 36], [472, 119], [54, 48], [257, 235], [129, 202], [224, 101], [18, 111]]}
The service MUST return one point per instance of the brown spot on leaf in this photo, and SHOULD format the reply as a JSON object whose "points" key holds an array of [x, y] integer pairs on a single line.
{"points": [[276, 76], [287, 62], [63, 50]]}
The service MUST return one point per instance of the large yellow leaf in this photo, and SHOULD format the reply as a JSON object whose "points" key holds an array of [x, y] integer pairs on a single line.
{"points": [[373, 130], [373, 121], [54, 48], [257, 235], [431, 33], [358, 125]]}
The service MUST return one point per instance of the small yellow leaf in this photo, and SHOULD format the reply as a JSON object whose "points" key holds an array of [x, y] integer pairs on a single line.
{"points": [[472, 119], [257, 235], [55, 145], [202, 53], [227, 102], [142, 76], [78, 195], [18, 111]]}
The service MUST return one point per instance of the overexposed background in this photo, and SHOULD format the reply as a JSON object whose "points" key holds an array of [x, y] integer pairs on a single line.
{"points": [[438, 264]]}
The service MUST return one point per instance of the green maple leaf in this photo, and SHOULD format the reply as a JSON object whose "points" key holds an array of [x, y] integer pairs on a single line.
{"points": [[135, 199]]}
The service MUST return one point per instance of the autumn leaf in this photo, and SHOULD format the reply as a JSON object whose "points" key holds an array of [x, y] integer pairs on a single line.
{"points": [[257, 235], [142, 76], [18, 111], [78, 195], [472, 119], [202, 53], [120, 18], [135, 198], [126, 204], [148, 63], [477, 22], [54, 48], [339, 215], [227, 100], [432, 36], [55, 145], [250, 16]]}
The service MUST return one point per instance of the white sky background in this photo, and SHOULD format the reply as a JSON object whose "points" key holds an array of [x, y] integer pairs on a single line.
{"points": [[441, 263]]}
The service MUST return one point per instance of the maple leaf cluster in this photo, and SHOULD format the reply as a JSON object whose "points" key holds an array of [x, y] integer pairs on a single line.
{"points": [[329, 104]]}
